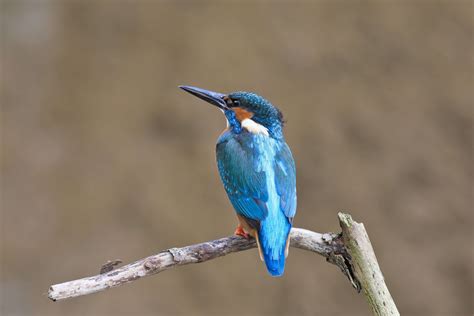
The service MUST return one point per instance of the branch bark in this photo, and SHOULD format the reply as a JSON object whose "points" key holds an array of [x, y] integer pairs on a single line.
{"points": [[366, 268], [328, 245], [350, 250]]}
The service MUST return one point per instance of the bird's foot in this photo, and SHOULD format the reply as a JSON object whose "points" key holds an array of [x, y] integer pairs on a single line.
{"points": [[239, 231]]}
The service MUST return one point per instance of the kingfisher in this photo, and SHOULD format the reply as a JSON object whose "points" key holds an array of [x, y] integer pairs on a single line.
{"points": [[257, 170]]}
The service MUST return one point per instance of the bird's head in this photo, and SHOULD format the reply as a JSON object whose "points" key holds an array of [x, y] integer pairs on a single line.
{"points": [[244, 111]]}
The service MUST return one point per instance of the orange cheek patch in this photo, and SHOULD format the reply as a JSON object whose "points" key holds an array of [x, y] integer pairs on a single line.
{"points": [[242, 114]]}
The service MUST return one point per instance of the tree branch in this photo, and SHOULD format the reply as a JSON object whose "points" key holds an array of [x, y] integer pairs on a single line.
{"points": [[350, 250], [329, 245], [366, 268]]}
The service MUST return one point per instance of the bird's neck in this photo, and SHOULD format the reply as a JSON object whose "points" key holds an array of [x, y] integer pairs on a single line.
{"points": [[232, 122], [252, 126]]}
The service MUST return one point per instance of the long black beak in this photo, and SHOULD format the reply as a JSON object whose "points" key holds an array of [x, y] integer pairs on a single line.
{"points": [[214, 98]]}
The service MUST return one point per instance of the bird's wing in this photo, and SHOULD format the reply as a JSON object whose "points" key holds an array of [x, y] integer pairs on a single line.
{"points": [[245, 185], [285, 179]]}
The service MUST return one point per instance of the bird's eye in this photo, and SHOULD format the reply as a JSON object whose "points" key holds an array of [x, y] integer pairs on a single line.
{"points": [[231, 103], [228, 101]]}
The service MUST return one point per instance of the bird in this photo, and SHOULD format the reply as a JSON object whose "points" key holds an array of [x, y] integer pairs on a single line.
{"points": [[258, 171]]}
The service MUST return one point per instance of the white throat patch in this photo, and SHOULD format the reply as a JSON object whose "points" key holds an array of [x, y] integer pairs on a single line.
{"points": [[253, 127]]}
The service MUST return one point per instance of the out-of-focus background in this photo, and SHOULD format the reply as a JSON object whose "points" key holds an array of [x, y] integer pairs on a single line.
{"points": [[103, 157]]}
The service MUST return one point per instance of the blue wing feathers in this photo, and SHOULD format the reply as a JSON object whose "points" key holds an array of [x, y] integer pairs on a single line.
{"points": [[259, 178], [248, 207], [245, 186], [285, 178]]}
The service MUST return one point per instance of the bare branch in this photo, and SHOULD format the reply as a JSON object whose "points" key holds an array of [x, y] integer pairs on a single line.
{"points": [[350, 250], [366, 268], [329, 245]]}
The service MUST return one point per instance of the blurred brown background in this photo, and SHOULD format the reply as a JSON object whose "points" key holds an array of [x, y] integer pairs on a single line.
{"points": [[104, 157]]}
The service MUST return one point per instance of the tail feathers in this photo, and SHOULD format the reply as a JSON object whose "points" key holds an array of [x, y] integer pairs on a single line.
{"points": [[287, 247], [259, 246], [274, 254], [275, 266]]}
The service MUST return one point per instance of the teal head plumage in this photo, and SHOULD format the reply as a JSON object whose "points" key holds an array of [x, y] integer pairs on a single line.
{"points": [[257, 170]]}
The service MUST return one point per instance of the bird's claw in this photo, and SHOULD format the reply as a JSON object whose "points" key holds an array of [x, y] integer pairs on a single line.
{"points": [[239, 231]]}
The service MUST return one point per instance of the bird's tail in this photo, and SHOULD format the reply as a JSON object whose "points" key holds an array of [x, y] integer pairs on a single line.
{"points": [[273, 242]]}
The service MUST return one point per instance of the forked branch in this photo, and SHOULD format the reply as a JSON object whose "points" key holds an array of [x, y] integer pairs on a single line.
{"points": [[359, 266]]}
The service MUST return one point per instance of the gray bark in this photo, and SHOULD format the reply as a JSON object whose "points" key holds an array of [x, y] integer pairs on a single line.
{"points": [[350, 250], [328, 245], [366, 268]]}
